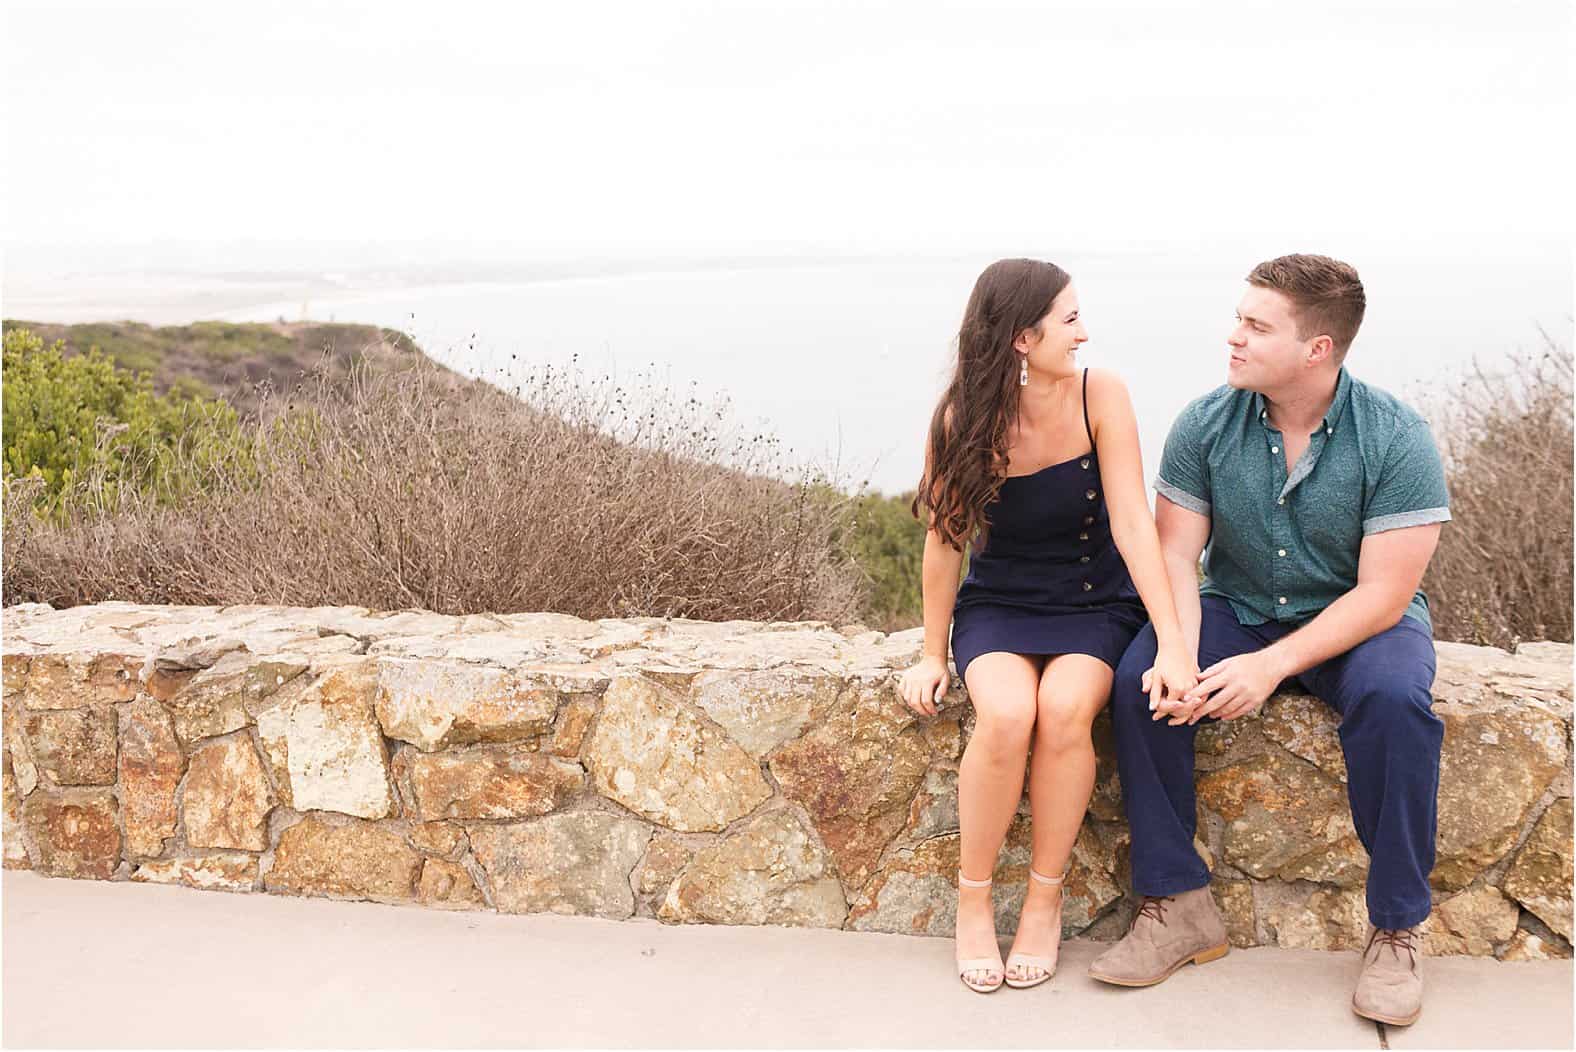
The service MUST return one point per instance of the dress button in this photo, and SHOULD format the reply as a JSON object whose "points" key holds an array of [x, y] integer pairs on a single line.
{"points": [[1083, 536], [1083, 558], [1089, 494], [1088, 587], [1275, 449], [1281, 500], [1283, 553], [1084, 463], [1088, 520], [1283, 600]]}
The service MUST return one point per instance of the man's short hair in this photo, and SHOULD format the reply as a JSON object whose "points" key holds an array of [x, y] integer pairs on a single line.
{"points": [[1326, 294]]}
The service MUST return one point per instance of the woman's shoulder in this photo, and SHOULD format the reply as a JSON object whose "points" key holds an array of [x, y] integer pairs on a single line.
{"points": [[1106, 386]]}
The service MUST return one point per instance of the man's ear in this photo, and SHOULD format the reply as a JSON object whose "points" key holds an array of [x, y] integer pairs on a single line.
{"points": [[1320, 350]]}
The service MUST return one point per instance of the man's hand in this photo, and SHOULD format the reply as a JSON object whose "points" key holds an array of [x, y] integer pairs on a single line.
{"points": [[1175, 710], [1234, 687]]}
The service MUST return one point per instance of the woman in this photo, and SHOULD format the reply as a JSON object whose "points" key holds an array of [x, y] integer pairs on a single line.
{"points": [[1041, 460]]}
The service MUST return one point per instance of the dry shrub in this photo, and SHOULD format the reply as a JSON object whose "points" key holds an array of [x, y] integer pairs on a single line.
{"points": [[404, 489], [1503, 571]]}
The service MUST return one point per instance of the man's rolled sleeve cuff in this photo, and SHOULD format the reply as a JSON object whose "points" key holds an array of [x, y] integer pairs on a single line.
{"points": [[1403, 519], [1181, 497]]}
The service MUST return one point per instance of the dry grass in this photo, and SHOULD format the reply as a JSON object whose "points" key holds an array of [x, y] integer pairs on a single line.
{"points": [[400, 490], [1503, 571]]}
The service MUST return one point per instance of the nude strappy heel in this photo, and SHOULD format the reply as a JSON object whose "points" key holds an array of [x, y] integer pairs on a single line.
{"points": [[970, 964], [1027, 960]]}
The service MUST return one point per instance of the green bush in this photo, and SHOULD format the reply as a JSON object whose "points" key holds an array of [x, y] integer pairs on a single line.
{"points": [[889, 545], [81, 423]]}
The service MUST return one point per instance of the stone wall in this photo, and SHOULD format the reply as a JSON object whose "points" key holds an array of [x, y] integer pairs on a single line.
{"points": [[696, 772]]}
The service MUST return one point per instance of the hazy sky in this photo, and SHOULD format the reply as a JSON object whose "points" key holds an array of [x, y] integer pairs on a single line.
{"points": [[582, 126]]}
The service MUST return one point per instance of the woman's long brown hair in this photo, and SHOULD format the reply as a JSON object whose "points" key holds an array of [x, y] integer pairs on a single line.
{"points": [[966, 458]]}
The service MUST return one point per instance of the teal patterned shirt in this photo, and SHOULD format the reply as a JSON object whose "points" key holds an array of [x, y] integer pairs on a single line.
{"points": [[1284, 540]]}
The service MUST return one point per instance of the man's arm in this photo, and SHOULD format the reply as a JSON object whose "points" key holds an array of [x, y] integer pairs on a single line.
{"points": [[1390, 568]]}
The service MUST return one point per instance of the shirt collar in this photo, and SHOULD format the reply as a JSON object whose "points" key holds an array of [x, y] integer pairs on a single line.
{"points": [[1332, 416]]}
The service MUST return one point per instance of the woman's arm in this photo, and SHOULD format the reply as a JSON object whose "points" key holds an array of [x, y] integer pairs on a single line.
{"points": [[939, 589], [1183, 534], [1132, 524], [925, 684]]}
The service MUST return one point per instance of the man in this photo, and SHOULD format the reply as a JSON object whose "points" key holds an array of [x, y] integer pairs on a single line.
{"points": [[1321, 500]]}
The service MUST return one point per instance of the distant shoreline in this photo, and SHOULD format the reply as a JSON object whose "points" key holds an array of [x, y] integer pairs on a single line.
{"points": [[175, 284], [178, 296]]}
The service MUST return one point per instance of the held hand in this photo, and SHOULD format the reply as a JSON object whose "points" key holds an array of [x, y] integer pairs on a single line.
{"points": [[1234, 687], [924, 685], [1173, 674]]}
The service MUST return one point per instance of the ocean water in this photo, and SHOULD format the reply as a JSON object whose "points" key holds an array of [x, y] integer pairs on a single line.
{"points": [[844, 360]]}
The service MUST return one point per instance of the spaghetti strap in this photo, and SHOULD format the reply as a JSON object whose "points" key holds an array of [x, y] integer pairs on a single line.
{"points": [[1086, 407]]}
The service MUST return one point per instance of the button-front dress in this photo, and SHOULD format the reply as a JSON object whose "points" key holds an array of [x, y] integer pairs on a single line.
{"points": [[1049, 579]]}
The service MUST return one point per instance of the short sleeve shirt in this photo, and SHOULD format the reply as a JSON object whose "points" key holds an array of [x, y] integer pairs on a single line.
{"points": [[1284, 539]]}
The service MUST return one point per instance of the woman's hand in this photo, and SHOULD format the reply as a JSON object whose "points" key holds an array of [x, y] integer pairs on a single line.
{"points": [[925, 684], [1174, 673]]}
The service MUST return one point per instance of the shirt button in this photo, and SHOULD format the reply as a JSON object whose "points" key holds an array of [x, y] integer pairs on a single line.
{"points": [[1283, 553], [1280, 500], [1088, 587], [1275, 449], [1088, 520], [1083, 536], [1083, 558], [1283, 600], [1088, 494]]}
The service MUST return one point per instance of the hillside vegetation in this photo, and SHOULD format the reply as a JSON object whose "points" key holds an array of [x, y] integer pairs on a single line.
{"points": [[386, 487], [320, 464]]}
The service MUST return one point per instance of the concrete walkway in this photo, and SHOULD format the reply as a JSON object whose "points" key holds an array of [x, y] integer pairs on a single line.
{"points": [[116, 965]]}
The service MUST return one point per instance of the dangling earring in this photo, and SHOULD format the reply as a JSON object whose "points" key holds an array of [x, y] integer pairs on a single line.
{"points": [[1023, 371]]}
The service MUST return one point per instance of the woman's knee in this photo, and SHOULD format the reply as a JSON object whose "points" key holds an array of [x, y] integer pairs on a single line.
{"points": [[1004, 728], [1001, 687], [1062, 728], [1073, 689]]}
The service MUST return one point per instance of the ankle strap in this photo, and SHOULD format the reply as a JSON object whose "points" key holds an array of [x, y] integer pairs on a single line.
{"points": [[972, 883], [1043, 879]]}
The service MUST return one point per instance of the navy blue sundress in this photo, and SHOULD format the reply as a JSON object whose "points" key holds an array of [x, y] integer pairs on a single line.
{"points": [[1049, 579]]}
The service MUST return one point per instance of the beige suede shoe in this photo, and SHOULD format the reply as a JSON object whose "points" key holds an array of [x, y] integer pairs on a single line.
{"points": [[1390, 988], [1168, 932]]}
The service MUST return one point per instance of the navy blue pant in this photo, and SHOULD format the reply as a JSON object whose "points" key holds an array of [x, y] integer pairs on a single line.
{"points": [[1382, 689]]}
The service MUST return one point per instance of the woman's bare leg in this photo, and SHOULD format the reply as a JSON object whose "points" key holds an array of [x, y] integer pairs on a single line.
{"points": [[1073, 689], [1002, 689]]}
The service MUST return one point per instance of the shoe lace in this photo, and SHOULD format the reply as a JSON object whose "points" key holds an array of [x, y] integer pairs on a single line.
{"points": [[1154, 907], [1397, 939]]}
